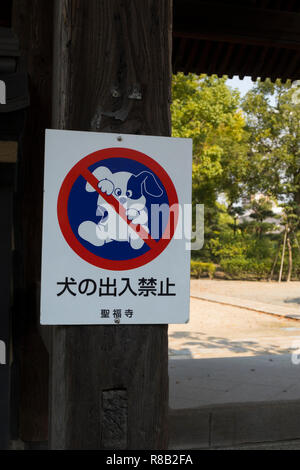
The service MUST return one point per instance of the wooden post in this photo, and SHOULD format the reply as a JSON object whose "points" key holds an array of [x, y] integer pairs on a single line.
{"points": [[32, 22], [112, 73], [6, 198]]}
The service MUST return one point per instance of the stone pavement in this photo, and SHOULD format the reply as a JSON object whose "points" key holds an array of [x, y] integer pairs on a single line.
{"points": [[282, 445], [203, 382], [232, 379]]}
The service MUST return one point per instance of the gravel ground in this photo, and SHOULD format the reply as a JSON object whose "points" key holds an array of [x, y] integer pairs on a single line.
{"points": [[218, 330], [284, 294]]}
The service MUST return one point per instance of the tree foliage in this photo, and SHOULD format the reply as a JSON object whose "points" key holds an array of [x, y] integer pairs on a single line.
{"points": [[207, 110], [242, 148], [273, 125]]}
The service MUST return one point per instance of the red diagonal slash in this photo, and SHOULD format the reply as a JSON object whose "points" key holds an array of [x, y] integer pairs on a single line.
{"points": [[120, 210]]}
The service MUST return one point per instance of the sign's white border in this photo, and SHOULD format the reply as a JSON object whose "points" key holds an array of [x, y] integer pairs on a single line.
{"points": [[63, 149]]}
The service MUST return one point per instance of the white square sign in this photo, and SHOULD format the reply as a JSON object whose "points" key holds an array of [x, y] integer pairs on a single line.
{"points": [[116, 227]]}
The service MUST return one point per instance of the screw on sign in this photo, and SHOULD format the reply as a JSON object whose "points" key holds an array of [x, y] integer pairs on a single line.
{"points": [[104, 209]]}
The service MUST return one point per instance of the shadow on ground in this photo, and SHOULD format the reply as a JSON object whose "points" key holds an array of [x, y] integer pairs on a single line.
{"points": [[292, 301], [200, 341]]}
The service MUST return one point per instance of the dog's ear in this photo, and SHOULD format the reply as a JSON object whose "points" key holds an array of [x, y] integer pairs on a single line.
{"points": [[100, 173], [147, 183]]}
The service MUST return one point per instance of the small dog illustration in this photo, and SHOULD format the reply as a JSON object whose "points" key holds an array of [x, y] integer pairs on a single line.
{"points": [[131, 191]]}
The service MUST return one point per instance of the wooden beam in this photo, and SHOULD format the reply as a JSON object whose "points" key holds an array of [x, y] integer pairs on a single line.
{"points": [[5, 15], [216, 21], [109, 385]]}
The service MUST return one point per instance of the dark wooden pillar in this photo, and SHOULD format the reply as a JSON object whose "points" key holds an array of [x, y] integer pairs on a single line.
{"points": [[32, 22], [6, 221], [112, 73]]}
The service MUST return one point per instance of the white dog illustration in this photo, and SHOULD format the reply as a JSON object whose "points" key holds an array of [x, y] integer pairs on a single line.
{"points": [[131, 192]]}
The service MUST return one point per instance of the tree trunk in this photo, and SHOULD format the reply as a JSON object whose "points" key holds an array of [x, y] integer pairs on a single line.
{"points": [[112, 73], [290, 259], [274, 264], [282, 256]]}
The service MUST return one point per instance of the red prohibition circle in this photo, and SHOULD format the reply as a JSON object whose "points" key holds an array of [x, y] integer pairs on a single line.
{"points": [[64, 223]]}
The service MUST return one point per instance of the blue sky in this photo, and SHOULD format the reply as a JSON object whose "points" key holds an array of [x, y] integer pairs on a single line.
{"points": [[242, 85]]}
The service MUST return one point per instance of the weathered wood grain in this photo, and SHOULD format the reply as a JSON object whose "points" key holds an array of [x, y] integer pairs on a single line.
{"points": [[112, 73], [32, 22], [6, 206]]}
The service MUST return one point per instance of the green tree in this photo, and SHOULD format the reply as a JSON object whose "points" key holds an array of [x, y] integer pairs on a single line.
{"points": [[261, 210], [207, 110], [273, 161], [273, 123]]}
